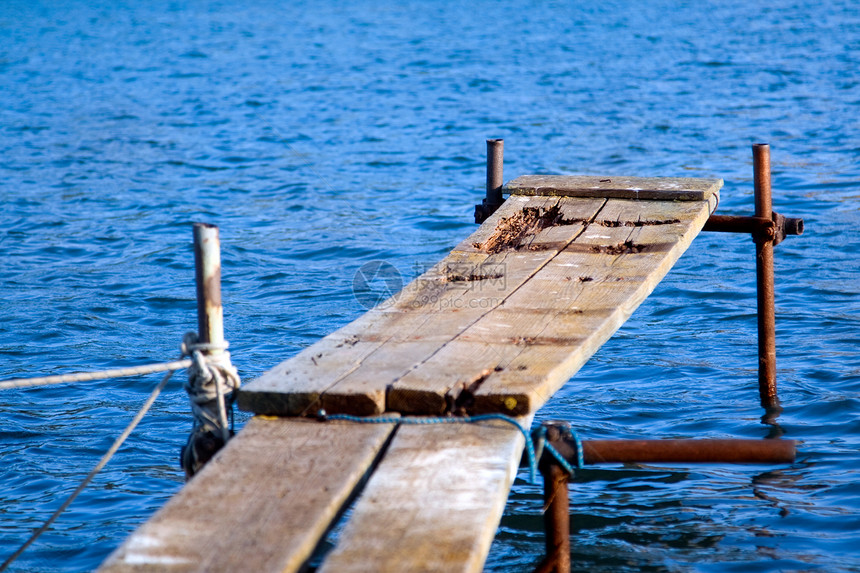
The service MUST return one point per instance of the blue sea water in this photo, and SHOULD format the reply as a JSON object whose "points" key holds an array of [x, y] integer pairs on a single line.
{"points": [[323, 135]]}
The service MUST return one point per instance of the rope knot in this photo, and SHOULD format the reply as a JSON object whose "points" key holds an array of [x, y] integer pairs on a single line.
{"points": [[191, 342], [211, 388], [561, 431]]}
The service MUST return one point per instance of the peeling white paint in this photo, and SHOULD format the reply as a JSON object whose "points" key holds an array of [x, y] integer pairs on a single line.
{"points": [[143, 559], [141, 541], [143, 549]]}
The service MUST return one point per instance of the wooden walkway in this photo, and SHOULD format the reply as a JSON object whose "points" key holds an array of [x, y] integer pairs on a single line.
{"points": [[497, 326]]}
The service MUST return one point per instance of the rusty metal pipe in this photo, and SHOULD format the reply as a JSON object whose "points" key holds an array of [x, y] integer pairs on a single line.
{"points": [[737, 224], [765, 281], [207, 269], [680, 451], [495, 173], [555, 478], [495, 180], [775, 229], [202, 445], [793, 226], [556, 516]]}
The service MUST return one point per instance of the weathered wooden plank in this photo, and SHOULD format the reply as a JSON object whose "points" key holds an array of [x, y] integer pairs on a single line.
{"points": [[466, 293], [434, 503], [262, 504], [605, 288], [660, 188], [550, 325], [456, 331], [352, 370], [489, 226], [295, 386]]}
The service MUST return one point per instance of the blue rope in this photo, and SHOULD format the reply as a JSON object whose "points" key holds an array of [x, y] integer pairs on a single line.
{"points": [[539, 436], [580, 451], [530, 450]]}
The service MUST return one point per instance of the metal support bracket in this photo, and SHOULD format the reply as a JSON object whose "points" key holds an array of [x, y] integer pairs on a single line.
{"points": [[556, 496], [762, 229], [768, 228]]}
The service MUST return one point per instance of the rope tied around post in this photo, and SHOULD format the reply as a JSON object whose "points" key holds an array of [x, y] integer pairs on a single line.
{"points": [[211, 388], [541, 445], [556, 471], [212, 380]]}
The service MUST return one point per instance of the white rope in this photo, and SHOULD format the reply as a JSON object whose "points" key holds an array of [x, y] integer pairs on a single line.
{"points": [[100, 375], [105, 459], [208, 378], [212, 382], [211, 387]]}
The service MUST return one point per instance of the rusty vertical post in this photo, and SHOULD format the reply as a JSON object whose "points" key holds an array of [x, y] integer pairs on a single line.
{"points": [[207, 270], [556, 517], [495, 180], [495, 172], [211, 428], [765, 281]]}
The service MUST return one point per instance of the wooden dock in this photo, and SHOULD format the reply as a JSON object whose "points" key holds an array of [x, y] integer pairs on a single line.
{"points": [[497, 326]]}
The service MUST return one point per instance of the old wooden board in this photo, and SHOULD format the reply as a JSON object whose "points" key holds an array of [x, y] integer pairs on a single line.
{"points": [[658, 188], [352, 370], [509, 315], [577, 301], [261, 504], [434, 502]]}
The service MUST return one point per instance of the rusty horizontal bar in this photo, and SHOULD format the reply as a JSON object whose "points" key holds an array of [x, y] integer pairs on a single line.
{"points": [[793, 225], [736, 224], [680, 451], [761, 228]]}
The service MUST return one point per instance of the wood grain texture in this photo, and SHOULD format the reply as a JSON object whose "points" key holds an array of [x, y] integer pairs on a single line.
{"points": [[352, 370], [262, 504], [589, 290], [515, 357], [507, 317], [659, 188], [434, 502]]}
